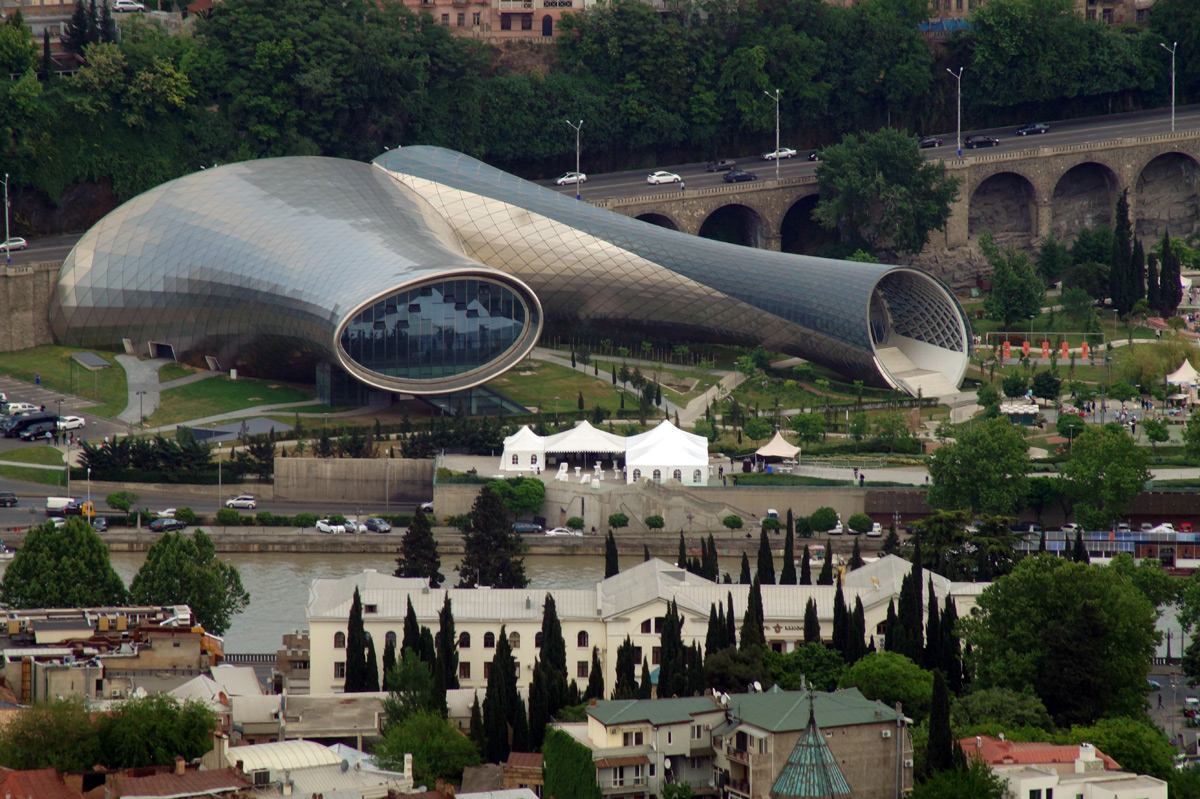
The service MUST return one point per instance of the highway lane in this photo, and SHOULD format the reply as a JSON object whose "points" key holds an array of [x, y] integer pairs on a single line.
{"points": [[632, 183], [47, 248]]}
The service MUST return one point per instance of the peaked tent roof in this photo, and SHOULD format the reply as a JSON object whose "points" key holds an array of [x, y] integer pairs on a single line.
{"points": [[1185, 375], [583, 438], [666, 444], [778, 447], [525, 440], [810, 771]]}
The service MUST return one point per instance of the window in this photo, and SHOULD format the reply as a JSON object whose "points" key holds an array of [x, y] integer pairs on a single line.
{"points": [[646, 626], [696, 476], [464, 671], [175, 644], [487, 671], [958, 5], [637, 654], [532, 458], [697, 732], [339, 640], [669, 736], [446, 19], [370, 608], [464, 640], [514, 640], [651, 769], [637, 475], [655, 655], [658, 475], [475, 18], [339, 670], [527, 22], [1108, 15], [677, 474], [581, 669], [537, 640], [581, 640], [1141, 15], [1035, 793], [658, 623], [506, 22], [632, 739], [777, 646], [516, 459], [489, 640], [762, 746], [390, 638]]}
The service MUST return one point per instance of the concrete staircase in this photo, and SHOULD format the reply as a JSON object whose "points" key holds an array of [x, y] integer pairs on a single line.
{"points": [[927, 382]]}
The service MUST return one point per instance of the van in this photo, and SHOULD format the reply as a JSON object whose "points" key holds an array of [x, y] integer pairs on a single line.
{"points": [[13, 408], [56, 506], [16, 425]]}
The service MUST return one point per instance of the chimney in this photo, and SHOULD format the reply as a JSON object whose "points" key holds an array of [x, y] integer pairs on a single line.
{"points": [[439, 785], [408, 772], [978, 742], [180, 766], [449, 791], [1087, 760], [593, 702]]}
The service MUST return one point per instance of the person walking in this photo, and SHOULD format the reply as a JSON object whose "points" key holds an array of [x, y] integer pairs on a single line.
{"points": [[681, 186]]}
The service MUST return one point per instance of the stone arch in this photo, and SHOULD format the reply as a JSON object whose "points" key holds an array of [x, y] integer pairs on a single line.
{"points": [[736, 224], [1083, 197], [800, 233], [662, 220], [1167, 196], [1004, 202]]}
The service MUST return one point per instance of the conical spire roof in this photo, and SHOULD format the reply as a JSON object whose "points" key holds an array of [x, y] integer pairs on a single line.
{"points": [[810, 771]]}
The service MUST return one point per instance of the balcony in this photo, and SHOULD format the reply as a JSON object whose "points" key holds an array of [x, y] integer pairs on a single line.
{"points": [[739, 787], [516, 5], [616, 787], [740, 755]]}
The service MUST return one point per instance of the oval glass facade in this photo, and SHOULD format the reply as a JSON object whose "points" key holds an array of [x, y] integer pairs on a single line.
{"points": [[436, 330]]}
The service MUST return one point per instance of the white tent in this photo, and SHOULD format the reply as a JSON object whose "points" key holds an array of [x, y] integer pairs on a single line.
{"points": [[524, 451], [666, 453], [777, 447], [1185, 375], [585, 439]]}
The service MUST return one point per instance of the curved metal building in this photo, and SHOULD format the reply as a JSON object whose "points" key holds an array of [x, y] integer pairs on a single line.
{"points": [[428, 272]]}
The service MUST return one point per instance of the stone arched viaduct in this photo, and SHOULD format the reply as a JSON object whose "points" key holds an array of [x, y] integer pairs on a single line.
{"points": [[1021, 196]]}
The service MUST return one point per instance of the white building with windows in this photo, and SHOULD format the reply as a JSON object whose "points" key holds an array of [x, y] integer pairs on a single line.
{"points": [[632, 603]]}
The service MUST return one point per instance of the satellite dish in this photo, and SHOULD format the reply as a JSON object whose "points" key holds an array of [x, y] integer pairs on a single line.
{"points": [[724, 700], [667, 762], [757, 687], [712, 784]]}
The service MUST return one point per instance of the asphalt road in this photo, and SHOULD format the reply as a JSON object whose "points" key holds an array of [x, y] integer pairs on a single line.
{"points": [[1077, 131], [49, 248]]}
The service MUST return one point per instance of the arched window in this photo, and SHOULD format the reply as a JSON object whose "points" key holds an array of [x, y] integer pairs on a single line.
{"points": [[537, 640], [514, 640], [339, 640], [533, 459], [696, 476], [637, 475], [464, 640], [390, 638], [516, 459], [658, 475], [678, 475], [581, 640], [489, 640]]}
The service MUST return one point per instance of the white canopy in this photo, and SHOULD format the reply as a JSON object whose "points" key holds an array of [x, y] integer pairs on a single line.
{"points": [[523, 451], [669, 453], [778, 447], [584, 438], [1185, 375]]}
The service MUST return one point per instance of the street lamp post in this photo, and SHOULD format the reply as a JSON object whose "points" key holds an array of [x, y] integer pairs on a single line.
{"points": [[1169, 49], [958, 129], [89, 476], [7, 251], [775, 97], [141, 407], [576, 128], [556, 411]]}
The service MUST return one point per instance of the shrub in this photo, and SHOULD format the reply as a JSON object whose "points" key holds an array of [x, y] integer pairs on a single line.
{"points": [[121, 500], [823, 520], [264, 518], [303, 520], [655, 522], [732, 521], [575, 523], [229, 517], [337, 518], [618, 520], [396, 519], [860, 523], [770, 524], [185, 515]]}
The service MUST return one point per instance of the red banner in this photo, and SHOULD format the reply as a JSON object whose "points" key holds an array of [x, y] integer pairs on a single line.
{"points": [[1006, 350], [1045, 349], [1085, 349], [1025, 349], [1065, 352]]}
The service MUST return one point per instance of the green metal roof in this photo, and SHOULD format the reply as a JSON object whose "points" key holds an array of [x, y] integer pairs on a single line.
{"points": [[650, 711], [810, 771], [785, 711]]}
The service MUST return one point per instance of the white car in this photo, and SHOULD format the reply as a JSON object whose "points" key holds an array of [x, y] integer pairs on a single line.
{"points": [[876, 531], [782, 152], [837, 529], [325, 526], [71, 422], [166, 513], [244, 501], [355, 526], [1070, 528], [127, 5], [427, 508], [660, 176], [1165, 527], [564, 531], [15, 243], [570, 177]]}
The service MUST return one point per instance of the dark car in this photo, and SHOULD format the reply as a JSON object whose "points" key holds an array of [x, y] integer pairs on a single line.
{"points": [[8, 499], [720, 165], [738, 176], [165, 525], [814, 156], [527, 527], [1032, 128], [374, 524], [980, 141], [100, 524], [930, 141], [39, 430]]}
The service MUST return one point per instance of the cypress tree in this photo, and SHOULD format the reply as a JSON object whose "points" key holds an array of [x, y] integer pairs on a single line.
{"points": [[826, 575], [787, 574], [93, 23], [646, 687], [106, 29], [933, 634], [1138, 271], [491, 550], [447, 644], [1170, 292], [730, 624], [554, 657], [858, 630], [389, 660], [695, 686], [428, 650], [791, 524], [812, 625], [1042, 543], [356, 647], [614, 374], [766, 562], [626, 687], [1120, 279], [939, 755], [419, 553], [76, 36], [889, 633], [856, 561], [715, 632], [539, 711], [504, 722], [713, 567], [951, 649], [805, 568], [610, 556], [682, 560], [595, 686], [694, 566], [672, 673], [475, 731], [645, 552], [412, 631], [1080, 554], [891, 542], [752, 636], [1153, 299], [371, 675], [744, 577], [841, 635]]}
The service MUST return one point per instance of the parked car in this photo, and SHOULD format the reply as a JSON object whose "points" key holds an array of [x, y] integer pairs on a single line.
{"points": [[739, 176], [166, 513], [14, 243], [166, 525], [326, 526], [980, 141], [570, 177], [782, 152], [353, 525], [71, 422], [127, 5], [427, 508], [8, 499], [929, 141], [1123, 527], [1070, 528], [13, 408], [100, 524], [1147, 527], [1185, 527], [876, 531], [720, 165], [662, 176], [374, 524], [1165, 527], [1032, 128], [38, 431], [243, 501], [560, 531], [526, 527]]}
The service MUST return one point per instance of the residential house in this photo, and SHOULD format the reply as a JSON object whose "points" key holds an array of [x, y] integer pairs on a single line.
{"points": [[524, 770], [42, 783], [1033, 770], [306, 768]]}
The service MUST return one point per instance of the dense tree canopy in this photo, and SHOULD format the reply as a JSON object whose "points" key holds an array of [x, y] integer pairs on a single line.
{"points": [[1105, 471], [983, 471], [62, 567], [183, 570]]}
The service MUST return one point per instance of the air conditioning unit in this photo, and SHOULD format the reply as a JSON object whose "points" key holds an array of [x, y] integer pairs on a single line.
{"points": [[908, 762], [116, 693], [885, 734]]}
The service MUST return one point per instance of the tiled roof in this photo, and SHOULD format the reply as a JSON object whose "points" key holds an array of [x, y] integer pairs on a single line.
{"points": [[42, 783], [650, 711], [524, 760], [996, 752], [188, 784]]}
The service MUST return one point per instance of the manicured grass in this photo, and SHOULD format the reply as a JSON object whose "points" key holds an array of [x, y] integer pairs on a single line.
{"points": [[221, 395], [60, 373], [47, 456], [704, 380], [53, 477], [536, 384], [172, 371], [762, 392]]}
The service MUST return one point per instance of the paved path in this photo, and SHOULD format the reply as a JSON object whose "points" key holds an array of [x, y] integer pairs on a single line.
{"points": [[145, 392]]}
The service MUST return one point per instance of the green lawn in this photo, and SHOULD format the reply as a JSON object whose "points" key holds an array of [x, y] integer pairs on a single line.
{"points": [[60, 373], [704, 379], [536, 384], [53, 477], [47, 456], [753, 392], [221, 395], [172, 371]]}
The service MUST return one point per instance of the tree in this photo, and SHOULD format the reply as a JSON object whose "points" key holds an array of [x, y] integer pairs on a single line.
{"points": [[856, 561], [892, 429], [1170, 290], [732, 522], [626, 668], [1156, 431], [860, 523], [520, 495], [419, 553], [1052, 260], [569, 772], [610, 556], [757, 428], [446, 661], [1017, 292], [554, 656], [1001, 707], [121, 500], [616, 521], [826, 575], [983, 471], [787, 573], [809, 427], [1077, 304], [1014, 385], [859, 428], [813, 664], [892, 678], [878, 191], [977, 780], [939, 753], [504, 721], [1153, 295], [438, 750], [492, 552], [56, 733], [1141, 745], [62, 567], [183, 570], [356, 648], [823, 519], [744, 574], [595, 686], [1080, 637], [1047, 385], [805, 568], [751, 635], [1122, 392], [1105, 471], [1120, 274], [765, 574]]}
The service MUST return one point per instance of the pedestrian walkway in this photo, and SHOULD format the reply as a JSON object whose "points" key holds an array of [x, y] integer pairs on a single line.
{"points": [[380, 401], [145, 392]]}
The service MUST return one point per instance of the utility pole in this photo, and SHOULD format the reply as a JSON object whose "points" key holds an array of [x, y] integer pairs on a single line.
{"points": [[1170, 50], [775, 97], [958, 129], [576, 128]]}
